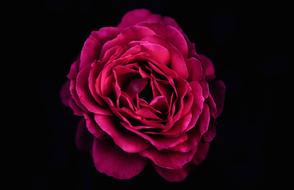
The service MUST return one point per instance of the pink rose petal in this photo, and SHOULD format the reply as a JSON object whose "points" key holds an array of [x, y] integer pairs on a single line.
{"points": [[84, 139], [205, 89], [137, 16], [154, 51], [65, 93], [176, 175], [187, 103], [112, 161], [190, 144], [170, 34], [212, 106], [129, 34], [168, 159], [197, 103], [91, 49], [159, 142], [218, 93], [128, 142], [180, 126], [171, 22], [74, 69], [208, 67], [201, 153], [76, 109], [195, 69], [84, 93], [136, 86], [92, 127], [210, 134], [94, 72], [204, 119]]}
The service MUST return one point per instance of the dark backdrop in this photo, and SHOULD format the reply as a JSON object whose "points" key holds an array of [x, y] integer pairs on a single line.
{"points": [[248, 47]]}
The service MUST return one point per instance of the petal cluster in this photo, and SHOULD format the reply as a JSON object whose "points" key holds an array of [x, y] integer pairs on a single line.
{"points": [[144, 95]]}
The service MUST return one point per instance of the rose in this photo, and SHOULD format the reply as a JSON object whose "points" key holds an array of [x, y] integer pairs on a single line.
{"points": [[144, 94]]}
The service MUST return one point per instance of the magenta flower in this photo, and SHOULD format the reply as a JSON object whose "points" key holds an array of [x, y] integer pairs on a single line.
{"points": [[144, 95]]}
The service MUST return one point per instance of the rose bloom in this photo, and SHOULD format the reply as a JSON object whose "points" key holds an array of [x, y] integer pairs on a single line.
{"points": [[145, 96]]}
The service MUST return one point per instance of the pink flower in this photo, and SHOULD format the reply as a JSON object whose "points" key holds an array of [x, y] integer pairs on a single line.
{"points": [[144, 95]]}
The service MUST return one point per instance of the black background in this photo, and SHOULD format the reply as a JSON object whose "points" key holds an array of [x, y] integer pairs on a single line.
{"points": [[248, 45]]}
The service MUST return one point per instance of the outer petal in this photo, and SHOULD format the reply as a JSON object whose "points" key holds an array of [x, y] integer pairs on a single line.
{"points": [[218, 94], [85, 95], [84, 139], [172, 35], [195, 69], [74, 69], [90, 51], [74, 102], [176, 175], [177, 39], [159, 142], [171, 22], [92, 127], [210, 134], [124, 139], [178, 63], [92, 46], [94, 72], [208, 67], [168, 159], [137, 16], [203, 122], [205, 88], [212, 106], [191, 144], [155, 51], [75, 108], [197, 104], [201, 153], [65, 93], [112, 161], [130, 34]]}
